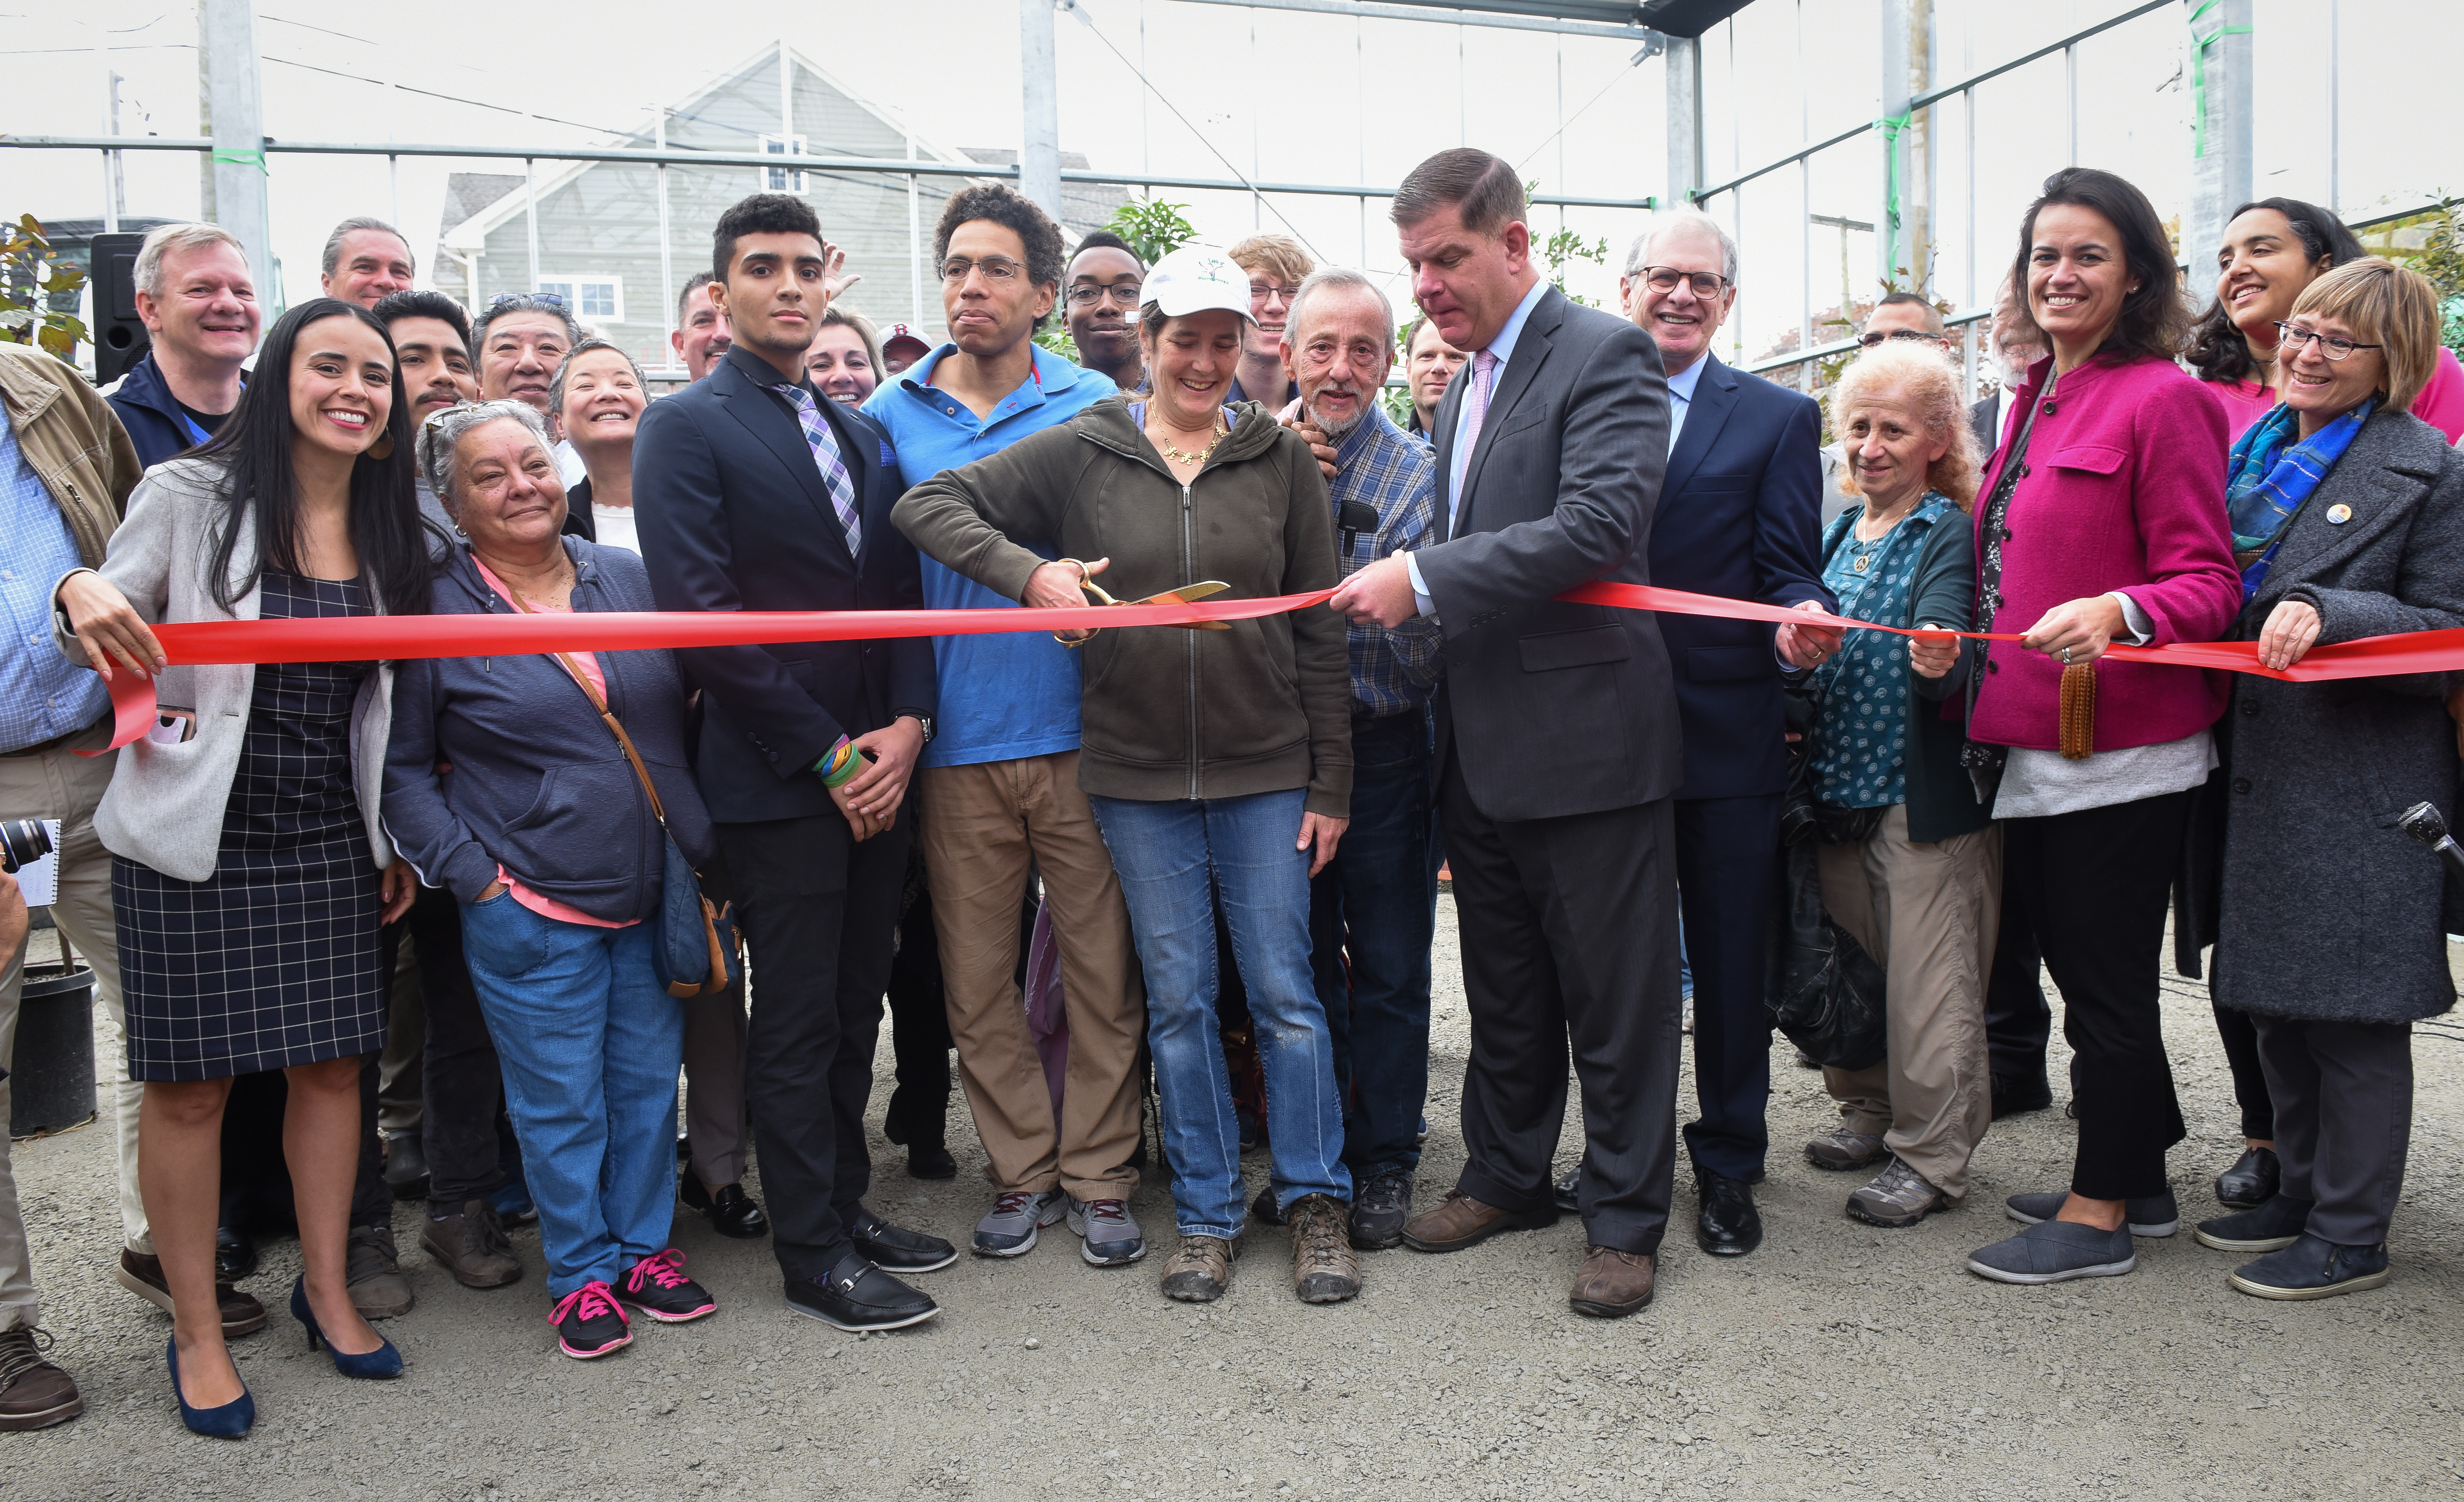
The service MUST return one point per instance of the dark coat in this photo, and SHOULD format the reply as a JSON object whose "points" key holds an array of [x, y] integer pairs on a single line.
{"points": [[1554, 709], [538, 783], [2324, 909], [150, 413], [733, 515]]}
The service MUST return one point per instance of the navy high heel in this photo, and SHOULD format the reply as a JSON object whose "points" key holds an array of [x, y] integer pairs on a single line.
{"points": [[382, 1362], [230, 1422]]}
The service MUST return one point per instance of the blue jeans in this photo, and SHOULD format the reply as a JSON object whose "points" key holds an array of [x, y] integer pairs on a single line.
{"points": [[1371, 919], [1166, 853], [591, 1045]]}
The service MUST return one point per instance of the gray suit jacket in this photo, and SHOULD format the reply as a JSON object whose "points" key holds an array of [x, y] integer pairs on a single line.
{"points": [[1555, 708]]}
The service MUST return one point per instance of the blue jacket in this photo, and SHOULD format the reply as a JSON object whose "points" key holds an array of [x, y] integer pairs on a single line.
{"points": [[1740, 516], [501, 760], [150, 413]]}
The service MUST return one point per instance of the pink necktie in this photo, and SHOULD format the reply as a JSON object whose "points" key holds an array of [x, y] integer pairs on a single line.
{"points": [[1483, 372]]}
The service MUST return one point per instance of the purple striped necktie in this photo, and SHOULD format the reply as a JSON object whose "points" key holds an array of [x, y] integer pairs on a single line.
{"points": [[826, 458], [1484, 374]]}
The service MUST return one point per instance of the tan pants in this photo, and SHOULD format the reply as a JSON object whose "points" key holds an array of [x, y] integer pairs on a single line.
{"points": [[1928, 914], [981, 825], [60, 784]]}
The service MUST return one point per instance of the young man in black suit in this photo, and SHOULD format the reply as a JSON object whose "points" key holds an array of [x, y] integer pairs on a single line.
{"points": [[757, 494]]}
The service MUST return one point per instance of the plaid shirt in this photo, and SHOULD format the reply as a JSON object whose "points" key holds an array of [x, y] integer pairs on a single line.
{"points": [[1376, 462]]}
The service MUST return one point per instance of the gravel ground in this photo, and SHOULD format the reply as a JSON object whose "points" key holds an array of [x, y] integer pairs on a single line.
{"points": [[1836, 1361]]}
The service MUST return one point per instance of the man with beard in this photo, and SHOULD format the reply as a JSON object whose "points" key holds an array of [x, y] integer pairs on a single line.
{"points": [[1104, 281], [1371, 909]]}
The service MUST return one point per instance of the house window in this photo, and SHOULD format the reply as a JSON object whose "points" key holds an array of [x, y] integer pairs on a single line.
{"points": [[780, 180], [590, 296]]}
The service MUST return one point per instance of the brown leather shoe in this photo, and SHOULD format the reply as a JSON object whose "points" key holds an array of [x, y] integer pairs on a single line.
{"points": [[1613, 1284], [1459, 1221], [34, 1393], [472, 1245], [141, 1273]]}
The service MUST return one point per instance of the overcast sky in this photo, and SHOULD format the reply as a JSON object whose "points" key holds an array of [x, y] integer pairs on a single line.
{"points": [[1275, 96]]}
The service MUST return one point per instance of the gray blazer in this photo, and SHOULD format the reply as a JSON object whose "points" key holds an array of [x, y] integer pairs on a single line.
{"points": [[1555, 708], [2326, 910], [165, 806]]}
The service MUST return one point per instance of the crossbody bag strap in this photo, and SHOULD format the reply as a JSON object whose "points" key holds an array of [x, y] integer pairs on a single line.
{"points": [[599, 702]]}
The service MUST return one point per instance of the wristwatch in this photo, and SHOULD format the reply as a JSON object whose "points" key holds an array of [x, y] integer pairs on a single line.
{"points": [[919, 717]]}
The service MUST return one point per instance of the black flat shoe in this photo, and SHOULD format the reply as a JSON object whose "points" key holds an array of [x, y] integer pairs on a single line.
{"points": [[931, 1161], [2272, 1227], [1729, 1226], [2313, 1269], [1563, 1190], [894, 1249], [2015, 1095], [2250, 1182], [235, 1255], [732, 1212], [857, 1296]]}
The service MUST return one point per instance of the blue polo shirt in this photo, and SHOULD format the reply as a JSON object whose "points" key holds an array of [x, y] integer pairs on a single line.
{"points": [[1013, 694]]}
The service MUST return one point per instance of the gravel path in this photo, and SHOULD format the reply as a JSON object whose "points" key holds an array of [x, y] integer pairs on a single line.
{"points": [[1838, 1360]]}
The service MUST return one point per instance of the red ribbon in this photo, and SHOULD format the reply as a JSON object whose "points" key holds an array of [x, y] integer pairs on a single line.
{"points": [[383, 637]]}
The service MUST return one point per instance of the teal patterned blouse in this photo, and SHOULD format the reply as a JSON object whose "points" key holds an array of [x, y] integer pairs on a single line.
{"points": [[1860, 741]]}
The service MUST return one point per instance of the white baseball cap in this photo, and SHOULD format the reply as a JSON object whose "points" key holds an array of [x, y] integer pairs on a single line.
{"points": [[1196, 278]]}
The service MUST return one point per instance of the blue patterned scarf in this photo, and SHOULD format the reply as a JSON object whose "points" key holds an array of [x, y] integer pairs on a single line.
{"points": [[2269, 477]]}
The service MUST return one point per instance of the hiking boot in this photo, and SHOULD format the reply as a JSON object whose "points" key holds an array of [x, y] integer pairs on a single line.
{"points": [[472, 1246], [1199, 1268], [1111, 1237], [657, 1287], [589, 1322], [1380, 1205], [1017, 1215], [34, 1393], [1325, 1269], [141, 1273], [1843, 1151], [1898, 1196]]}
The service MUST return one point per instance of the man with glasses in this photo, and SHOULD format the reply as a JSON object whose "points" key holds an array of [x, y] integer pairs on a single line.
{"points": [[999, 794], [1105, 282], [1901, 316], [519, 339], [1737, 517], [1276, 266]]}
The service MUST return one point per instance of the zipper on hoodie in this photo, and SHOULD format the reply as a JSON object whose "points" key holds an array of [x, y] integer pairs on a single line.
{"points": [[1188, 570]]}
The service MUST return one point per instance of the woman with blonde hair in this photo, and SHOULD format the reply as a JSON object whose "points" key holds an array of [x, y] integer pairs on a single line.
{"points": [[1911, 864]]}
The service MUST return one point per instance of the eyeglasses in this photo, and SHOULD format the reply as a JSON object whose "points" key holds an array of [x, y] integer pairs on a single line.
{"points": [[2291, 336], [1260, 292], [1126, 294], [1877, 339], [996, 268], [552, 300], [1665, 279]]}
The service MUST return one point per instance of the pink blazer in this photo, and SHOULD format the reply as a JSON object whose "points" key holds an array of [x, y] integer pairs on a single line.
{"points": [[2124, 488]]}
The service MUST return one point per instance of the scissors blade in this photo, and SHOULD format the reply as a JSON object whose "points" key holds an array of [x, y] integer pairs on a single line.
{"points": [[1187, 592]]}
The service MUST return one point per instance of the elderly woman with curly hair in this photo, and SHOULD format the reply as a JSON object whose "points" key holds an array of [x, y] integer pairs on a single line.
{"points": [[1911, 864]]}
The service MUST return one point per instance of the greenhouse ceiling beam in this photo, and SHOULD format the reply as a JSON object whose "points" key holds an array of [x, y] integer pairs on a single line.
{"points": [[1567, 23], [892, 165]]}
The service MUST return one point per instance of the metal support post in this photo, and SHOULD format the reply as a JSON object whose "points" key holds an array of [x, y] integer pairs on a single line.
{"points": [[530, 217], [1890, 221], [226, 52], [1039, 158], [666, 251], [1685, 65], [2221, 89]]}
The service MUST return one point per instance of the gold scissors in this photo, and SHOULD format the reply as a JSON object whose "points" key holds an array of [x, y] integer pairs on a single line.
{"points": [[1182, 596]]}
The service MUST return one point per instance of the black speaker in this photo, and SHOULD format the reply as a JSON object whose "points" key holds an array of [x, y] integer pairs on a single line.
{"points": [[120, 339]]}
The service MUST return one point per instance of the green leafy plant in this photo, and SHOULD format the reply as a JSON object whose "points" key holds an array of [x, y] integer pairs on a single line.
{"points": [[33, 285], [2442, 261], [1565, 247], [1154, 229], [1054, 336]]}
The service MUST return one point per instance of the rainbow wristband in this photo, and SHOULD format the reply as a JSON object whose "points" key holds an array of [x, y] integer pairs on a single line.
{"points": [[839, 765]]}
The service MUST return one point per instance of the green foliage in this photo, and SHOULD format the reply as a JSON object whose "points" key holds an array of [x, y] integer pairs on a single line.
{"points": [[1152, 228], [2442, 261], [1565, 247], [1055, 338], [33, 285]]}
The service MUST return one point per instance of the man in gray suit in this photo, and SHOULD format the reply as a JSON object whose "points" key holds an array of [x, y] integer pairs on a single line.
{"points": [[1556, 725]]}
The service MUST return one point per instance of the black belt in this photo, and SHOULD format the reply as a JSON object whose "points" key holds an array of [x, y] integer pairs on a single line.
{"points": [[55, 743]]}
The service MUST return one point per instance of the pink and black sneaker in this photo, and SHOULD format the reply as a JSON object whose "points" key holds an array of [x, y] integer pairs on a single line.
{"points": [[589, 1322], [657, 1287]]}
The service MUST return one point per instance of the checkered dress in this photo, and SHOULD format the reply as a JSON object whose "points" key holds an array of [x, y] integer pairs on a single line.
{"points": [[274, 959]]}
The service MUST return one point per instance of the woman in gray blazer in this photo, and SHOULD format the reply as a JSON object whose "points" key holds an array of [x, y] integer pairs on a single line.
{"points": [[2348, 520], [251, 875]]}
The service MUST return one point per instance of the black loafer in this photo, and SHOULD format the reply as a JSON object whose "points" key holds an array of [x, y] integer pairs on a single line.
{"points": [[405, 1166], [732, 1212], [857, 1296], [2250, 1182], [1563, 1190], [235, 1255], [894, 1249], [931, 1161], [1729, 1224], [2014, 1094]]}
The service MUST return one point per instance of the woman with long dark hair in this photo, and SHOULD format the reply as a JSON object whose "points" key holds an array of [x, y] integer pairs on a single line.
{"points": [[251, 873], [2103, 521]]}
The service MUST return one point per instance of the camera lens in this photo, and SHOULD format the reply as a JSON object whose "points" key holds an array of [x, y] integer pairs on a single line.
{"points": [[23, 842]]}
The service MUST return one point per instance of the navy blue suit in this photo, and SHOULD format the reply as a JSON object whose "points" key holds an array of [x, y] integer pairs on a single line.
{"points": [[734, 515], [1739, 517]]}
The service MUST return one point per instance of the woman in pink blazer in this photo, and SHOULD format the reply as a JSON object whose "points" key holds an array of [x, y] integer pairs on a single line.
{"points": [[2103, 521]]}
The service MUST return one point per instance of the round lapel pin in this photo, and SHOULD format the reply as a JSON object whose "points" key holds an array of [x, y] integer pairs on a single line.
{"points": [[2338, 516]]}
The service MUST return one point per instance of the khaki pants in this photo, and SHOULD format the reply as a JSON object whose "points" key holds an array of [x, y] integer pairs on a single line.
{"points": [[981, 826], [1928, 914], [60, 784]]}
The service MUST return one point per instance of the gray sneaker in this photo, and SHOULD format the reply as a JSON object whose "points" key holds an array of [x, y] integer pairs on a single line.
{"points": [[1897, 1196], [1843, 1151], [2055, 1252], [1111, 1236], [2152, 1215], [1017, 1215]]}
